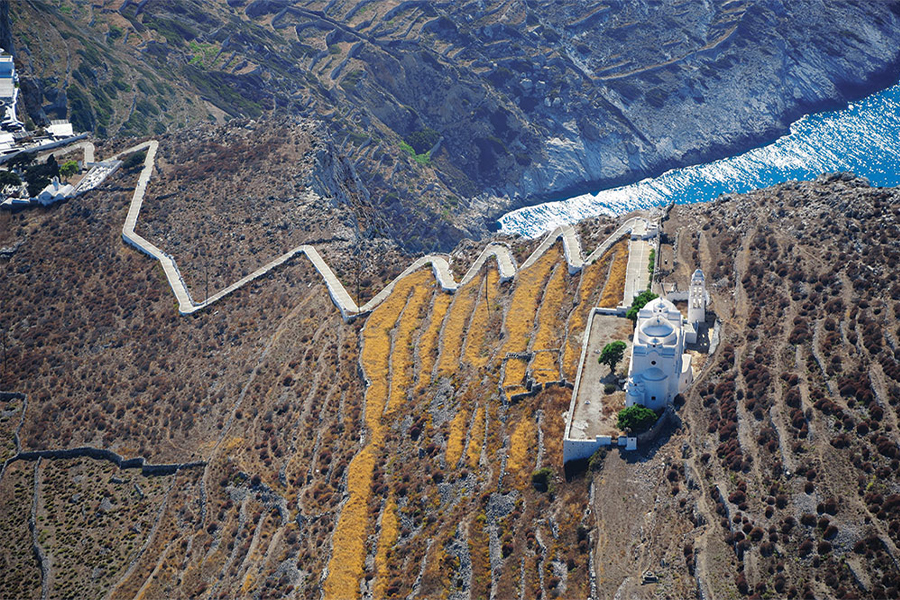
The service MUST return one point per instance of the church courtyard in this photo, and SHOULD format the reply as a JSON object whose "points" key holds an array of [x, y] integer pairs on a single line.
{"points": [[595, 411]]}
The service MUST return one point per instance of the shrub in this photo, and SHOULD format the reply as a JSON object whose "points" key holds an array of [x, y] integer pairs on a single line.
{"points": [[636, 418], [540, 479], [423, 140], [9, 178], [596, 461], [134, 161]]}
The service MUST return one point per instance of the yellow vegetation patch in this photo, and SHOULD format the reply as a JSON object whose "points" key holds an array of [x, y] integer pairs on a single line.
{"points": [[544, 366], [547, 335], [402, 353], [591, 278], [386, 540], [232, 443], [476, 354], [519, 320], [515, 372], [248, 583], [454, 329], [429, 339], [456, 438], [615, 285], [520, 457], [476, 438], [348, 543]]}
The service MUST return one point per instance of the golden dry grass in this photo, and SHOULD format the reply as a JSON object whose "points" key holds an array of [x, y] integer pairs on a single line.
{"points": [[476, 353], [455, 329], [387, 537], [615, 285], [476, 438], [402, 349], [348, 543], [515, 372], [349, 540], [591, 278], [520, 455], [545, 365], [428, 342], [519, 320], [456, 438]]}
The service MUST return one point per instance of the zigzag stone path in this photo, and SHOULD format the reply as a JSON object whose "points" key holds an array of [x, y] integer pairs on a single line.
{"points": [[349, 309]]}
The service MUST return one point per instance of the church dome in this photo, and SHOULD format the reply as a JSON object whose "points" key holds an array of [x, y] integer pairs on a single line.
{"points": [[657, 327], [653, 374]]}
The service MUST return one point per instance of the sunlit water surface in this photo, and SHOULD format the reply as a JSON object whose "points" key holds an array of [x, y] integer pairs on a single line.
{"points": [[863, 138]]}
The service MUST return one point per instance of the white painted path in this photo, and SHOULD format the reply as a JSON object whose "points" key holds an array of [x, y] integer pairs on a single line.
{"points": [[349, 310]]}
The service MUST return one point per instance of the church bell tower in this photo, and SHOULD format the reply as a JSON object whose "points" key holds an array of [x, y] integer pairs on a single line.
{"points": [[697, 298]]}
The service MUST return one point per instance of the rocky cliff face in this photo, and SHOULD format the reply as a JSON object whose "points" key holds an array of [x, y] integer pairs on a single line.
{"points": [[450, 114]]}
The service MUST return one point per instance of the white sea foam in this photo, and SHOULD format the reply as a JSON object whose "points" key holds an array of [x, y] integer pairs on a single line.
{"points": [[863, 138]]}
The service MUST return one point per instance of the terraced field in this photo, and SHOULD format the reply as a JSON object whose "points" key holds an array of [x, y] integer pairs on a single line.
{"points": [[427, 417], [411, 479]]}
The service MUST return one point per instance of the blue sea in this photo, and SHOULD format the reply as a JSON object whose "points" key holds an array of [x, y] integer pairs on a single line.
{"points": [[863, 138]]}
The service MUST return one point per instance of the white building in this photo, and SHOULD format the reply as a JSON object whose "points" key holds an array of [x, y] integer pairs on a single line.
{"points": [[60, 129], [54, 192], [659, 367], [696, 306], [9, 93], [7, 141]]}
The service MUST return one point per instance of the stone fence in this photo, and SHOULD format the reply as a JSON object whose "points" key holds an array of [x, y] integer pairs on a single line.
{"points": [[103, 454]]}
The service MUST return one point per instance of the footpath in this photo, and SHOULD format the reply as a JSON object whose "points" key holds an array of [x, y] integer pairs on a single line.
{"points": [[339, 295]]}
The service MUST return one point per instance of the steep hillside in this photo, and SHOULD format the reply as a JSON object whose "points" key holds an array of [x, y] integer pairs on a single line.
{"points": [[330, 455], [790, 454], [294, 453], [449, 114]]}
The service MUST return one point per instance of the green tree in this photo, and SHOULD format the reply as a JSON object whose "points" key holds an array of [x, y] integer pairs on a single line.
{"points": [[68, 169], [639, 303], [612, 354], [9, 178], [636, 418], [20, 160]]}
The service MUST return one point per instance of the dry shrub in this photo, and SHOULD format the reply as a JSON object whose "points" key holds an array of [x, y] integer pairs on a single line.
{"points": [[428, 342], [614, 290], [454, 331], [519, 320], [456, 438], [477, 350]]}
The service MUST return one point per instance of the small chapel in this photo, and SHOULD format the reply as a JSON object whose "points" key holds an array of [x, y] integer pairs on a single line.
{"points": [[659, 367]]}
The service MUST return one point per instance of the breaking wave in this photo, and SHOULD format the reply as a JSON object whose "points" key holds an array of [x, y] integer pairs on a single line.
{"points": [[863, 138]]}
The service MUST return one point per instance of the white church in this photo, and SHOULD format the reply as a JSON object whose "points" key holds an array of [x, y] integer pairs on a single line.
{"points": [[659, 368]]}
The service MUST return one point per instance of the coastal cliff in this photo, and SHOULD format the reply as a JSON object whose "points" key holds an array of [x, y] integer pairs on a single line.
{"points": [[447, 115]]}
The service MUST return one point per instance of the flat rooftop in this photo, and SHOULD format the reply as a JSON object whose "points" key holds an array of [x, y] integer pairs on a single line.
{"points": [[595, 411]]}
